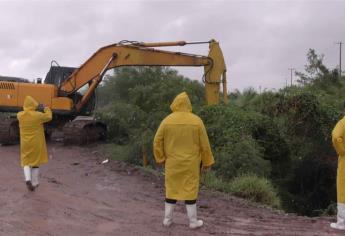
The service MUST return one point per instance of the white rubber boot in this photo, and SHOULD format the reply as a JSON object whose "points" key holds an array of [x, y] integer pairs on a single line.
{"points": [[340, 217], [192, 216], [168, 214], [34, 176], [27, 175]]}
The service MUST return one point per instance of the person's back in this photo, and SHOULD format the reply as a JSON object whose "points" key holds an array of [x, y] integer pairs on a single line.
{"points": [[182, 131], [31, 125], [181, 143]]}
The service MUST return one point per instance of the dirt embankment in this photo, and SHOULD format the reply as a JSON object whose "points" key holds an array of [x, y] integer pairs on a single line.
{"points": [[80, 196]]}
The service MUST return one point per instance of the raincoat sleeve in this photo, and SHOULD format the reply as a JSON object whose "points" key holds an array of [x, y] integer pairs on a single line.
{"points": [[338, 138], [158, 145], [46, 115], [205, 148]]}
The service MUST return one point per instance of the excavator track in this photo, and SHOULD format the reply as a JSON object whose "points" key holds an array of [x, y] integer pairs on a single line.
{"points": [[9, 131], [83, 130]]}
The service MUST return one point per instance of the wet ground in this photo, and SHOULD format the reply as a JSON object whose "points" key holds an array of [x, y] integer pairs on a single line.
{"points": [[78, 195]]}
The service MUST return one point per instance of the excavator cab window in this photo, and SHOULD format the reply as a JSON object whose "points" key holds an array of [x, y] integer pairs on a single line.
{"points": [[57, 74]]}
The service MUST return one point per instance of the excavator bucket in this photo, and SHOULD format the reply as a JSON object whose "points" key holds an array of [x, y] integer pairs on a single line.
{"points": [[215, 73]]}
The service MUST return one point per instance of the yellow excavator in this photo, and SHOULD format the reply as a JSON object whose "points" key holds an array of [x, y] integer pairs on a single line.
{"points": [[62, 87]]}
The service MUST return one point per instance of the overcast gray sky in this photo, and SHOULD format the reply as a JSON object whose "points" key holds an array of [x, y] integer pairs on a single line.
{"points": [[260, 39]]}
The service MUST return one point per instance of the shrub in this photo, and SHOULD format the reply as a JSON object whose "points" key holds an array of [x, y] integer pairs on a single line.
{"points": [[210, 180], [123, 121], [244, 142], [116, 152], [241, 158], [255, 188], [250, 187]]}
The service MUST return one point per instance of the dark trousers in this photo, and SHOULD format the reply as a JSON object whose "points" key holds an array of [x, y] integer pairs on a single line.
{"points": [[187, 202]]}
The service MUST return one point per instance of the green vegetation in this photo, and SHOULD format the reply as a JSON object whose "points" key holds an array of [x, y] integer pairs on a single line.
{"points": [[211, 181], [256, 189], [273, 147]]}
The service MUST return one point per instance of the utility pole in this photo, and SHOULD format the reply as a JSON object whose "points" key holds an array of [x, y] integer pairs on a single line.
{"points": [[291, 69], [340, 43]]}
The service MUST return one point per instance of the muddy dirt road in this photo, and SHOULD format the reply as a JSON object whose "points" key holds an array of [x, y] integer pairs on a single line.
{"points": [[80, 196]]}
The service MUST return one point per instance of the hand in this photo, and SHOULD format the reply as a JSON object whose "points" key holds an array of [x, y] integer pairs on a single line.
{"points": [[161, 164], [161, 167], [206, 168], [40, 107]]}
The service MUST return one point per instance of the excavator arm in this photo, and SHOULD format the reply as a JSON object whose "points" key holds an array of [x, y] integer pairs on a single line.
{"points": [[143, 54]]}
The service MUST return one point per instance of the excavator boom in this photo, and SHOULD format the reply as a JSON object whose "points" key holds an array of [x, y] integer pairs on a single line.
{"points": [[142, 54]]}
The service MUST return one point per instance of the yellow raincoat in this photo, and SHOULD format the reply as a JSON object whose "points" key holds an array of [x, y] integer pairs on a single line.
{"points": [[338, 139], [181, 142], [33, 149]]}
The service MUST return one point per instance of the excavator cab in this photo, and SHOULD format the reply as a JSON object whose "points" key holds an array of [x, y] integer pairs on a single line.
{"points": [[58, 74]]}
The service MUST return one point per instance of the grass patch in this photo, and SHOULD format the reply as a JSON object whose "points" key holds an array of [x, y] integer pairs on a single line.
{"points": [[251, 187], [255, 188], [211, 181], [116, 152], [151, 171]]}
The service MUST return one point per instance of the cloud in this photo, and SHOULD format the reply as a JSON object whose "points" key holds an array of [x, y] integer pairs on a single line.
{"points": [[260, 39]]}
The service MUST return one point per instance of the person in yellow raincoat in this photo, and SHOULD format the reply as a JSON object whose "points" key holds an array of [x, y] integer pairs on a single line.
{"points": [[338, 139], [33, 149], [181, 144]]}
